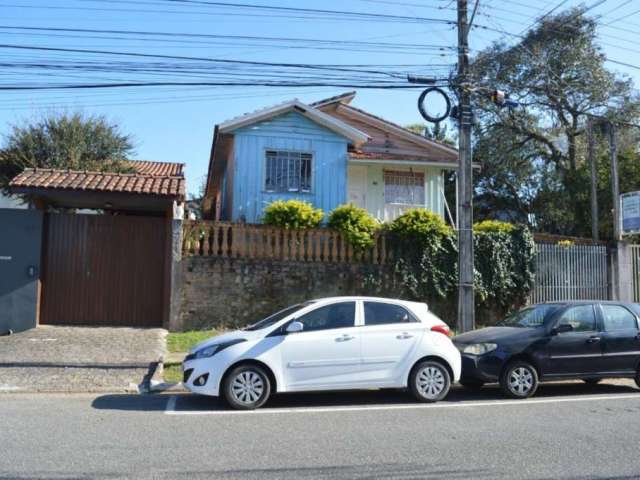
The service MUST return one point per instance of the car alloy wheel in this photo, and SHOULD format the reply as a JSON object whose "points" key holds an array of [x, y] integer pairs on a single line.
{"points": [[247, 387], [519, 380], [430, 381]]}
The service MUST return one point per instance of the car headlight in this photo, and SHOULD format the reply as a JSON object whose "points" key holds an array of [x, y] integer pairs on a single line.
{"points": [[479, 348], [211, 350], [207, 351]]}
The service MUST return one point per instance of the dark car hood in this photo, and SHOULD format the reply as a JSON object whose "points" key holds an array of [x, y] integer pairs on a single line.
{"points": [[497, 335]]}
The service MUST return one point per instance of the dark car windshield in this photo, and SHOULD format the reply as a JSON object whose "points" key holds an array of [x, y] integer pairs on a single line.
{"points": [[529, 317], [276, 317]]}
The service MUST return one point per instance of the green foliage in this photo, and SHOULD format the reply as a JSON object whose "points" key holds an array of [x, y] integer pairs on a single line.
{"points": [[504, 263], [292, 215], [565, 243], [426, 258], [493, 226], [355, 223], [438, 132], [425, 247], [534, 158], [184, 341], [419, 223], [65, 141]]}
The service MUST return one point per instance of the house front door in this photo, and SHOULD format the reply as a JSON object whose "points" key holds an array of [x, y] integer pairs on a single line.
{"points": [[357, 186]]}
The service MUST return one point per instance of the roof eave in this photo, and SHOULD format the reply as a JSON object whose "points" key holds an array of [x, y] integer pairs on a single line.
{"points": [[321, 118], [397, 129]]}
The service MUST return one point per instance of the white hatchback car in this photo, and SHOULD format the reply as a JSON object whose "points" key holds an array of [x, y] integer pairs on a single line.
{"points": [[340, 343]]}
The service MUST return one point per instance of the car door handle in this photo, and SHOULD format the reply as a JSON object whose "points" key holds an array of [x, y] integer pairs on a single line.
{"points": [[345, 338], [404, 336], [593, 339]]}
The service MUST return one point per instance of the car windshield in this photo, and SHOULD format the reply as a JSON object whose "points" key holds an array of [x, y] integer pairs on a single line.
{"points": [[529, 317], [276, 317]]}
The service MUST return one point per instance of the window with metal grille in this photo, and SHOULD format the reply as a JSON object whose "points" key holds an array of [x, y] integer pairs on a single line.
{"points": [[405, 188], [288, 171]]}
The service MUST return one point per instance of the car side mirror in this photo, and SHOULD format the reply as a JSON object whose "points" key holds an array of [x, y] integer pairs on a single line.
{"points": [[295, 327], [565, 327]]}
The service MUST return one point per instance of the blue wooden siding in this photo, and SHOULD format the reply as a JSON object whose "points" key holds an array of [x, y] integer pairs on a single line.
{"points": [[290, 131]]}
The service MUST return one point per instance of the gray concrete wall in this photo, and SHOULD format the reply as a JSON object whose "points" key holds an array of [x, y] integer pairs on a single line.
{"points": [[236, 292]]}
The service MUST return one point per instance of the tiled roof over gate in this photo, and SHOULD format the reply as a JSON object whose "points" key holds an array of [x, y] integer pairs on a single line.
{"points": [[150, 178]]}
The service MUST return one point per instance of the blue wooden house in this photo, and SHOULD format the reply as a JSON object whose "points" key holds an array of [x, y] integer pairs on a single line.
{"points": [[327, 153]]}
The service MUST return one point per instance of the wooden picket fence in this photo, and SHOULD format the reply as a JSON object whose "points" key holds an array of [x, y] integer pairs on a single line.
{"points": [[236, 240]]}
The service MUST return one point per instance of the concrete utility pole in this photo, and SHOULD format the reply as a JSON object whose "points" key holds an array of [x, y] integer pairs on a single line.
{"points": [[594, 179], [466, 308], [615, 181]]}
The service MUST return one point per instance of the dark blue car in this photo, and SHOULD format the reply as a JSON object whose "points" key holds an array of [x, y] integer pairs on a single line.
{"points": [[588, 340]]}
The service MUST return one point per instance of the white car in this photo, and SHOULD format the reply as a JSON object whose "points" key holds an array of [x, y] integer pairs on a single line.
{"points": [[340, 343]]}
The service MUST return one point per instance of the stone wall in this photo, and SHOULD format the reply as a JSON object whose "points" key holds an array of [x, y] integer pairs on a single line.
{"points": [[220, 292]]}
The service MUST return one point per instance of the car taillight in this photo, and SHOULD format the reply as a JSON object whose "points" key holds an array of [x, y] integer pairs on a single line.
{"points": [[441, 329]]}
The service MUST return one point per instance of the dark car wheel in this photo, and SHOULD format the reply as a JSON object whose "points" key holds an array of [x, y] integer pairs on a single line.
{"points": [[429, 381], [246, 387], [592, 381], [638, 378], [519, 380], [472, 384]]}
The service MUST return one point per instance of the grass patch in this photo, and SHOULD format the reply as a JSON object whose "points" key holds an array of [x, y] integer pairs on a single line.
{"points": [[184, 341], [173, 373]]}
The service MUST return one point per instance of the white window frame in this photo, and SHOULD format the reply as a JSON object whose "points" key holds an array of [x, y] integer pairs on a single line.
{"points": [[300, 153], [418, 182]]}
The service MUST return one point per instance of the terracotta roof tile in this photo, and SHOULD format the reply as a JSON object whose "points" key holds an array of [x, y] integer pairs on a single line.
{"points": [[150, 178]]}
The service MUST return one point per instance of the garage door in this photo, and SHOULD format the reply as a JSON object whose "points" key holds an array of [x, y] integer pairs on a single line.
{"points": [[103, 270]]}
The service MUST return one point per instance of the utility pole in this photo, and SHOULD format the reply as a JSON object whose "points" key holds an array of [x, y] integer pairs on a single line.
{"points": [[594, 179], [615, 181], [466, 307]]}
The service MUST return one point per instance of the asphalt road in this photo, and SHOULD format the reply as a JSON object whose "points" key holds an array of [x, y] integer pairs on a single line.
{"points": [[567, 431]]}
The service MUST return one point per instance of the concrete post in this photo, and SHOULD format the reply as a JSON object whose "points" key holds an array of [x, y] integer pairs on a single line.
{"points": [[175, 268], [622, 274]]}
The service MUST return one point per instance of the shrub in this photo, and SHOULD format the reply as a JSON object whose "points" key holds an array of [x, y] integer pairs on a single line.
{"points": [[292, 215], [566, 243], [356, 225], [427, 248], [426, 263], [420, 223], [493, 226]]}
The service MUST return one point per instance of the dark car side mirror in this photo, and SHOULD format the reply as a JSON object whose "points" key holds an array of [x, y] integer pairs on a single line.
{"points": [[565, 327]]}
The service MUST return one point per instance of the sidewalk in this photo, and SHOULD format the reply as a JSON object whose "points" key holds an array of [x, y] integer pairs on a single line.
{"points": [[79, 359]]}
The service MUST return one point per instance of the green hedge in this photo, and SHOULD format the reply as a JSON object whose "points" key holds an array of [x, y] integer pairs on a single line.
{"points": [[292, 215], [356, 224], [426, 263]]}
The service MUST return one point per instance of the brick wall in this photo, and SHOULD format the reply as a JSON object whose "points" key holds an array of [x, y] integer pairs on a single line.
{"points": [[219, 292]]}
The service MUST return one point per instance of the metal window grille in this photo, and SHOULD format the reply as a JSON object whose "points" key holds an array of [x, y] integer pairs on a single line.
{"points": [[288, 171], [405, 188]]}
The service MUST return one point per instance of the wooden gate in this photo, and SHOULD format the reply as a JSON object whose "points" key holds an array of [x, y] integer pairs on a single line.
{"points": [[103, 270]]}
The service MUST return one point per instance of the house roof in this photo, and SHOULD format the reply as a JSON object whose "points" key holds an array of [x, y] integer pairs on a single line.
{"points": [[151, 178], [399, 129], [163, 169], [344, 98], [340, 106], [356, 136]]}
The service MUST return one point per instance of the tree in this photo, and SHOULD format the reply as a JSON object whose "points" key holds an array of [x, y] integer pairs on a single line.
{"points": [[67, 141], [437, 132], [532, 156]]}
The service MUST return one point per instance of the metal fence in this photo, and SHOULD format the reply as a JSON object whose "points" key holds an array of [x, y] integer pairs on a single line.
{"points": [[572, 272], [635, 263]]}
